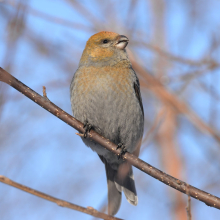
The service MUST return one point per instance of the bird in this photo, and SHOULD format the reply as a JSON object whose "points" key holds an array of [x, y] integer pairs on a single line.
{"points": [[105, 96]]}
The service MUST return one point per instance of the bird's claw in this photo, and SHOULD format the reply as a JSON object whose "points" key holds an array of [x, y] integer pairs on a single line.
{"points": [[87, 128], [123, 150]]}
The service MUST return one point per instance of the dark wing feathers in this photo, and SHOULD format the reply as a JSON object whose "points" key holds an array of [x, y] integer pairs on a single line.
{"points": [[138, 94]]}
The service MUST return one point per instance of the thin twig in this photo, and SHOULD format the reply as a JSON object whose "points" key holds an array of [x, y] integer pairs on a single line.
{"points": [[89, 210], [51, 18], [45, 93], [156, 123], [171, 56], [177, 184]]}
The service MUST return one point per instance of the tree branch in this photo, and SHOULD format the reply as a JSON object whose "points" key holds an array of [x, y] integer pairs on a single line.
{"points": [[89, 210], [188, 207], [179, 185]]}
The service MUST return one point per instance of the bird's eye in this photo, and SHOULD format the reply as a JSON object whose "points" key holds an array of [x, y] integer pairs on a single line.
{"points": [[105, 41]]}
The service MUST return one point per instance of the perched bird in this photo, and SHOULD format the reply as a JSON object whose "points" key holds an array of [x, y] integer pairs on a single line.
{"points": [[105, 96]]}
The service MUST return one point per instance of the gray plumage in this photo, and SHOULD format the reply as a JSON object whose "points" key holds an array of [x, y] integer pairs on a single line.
{"points": [[107, 96]]}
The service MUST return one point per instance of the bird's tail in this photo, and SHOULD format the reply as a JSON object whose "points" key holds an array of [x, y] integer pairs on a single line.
{"points": [[125, 179], [114, 193], [118, 181]]}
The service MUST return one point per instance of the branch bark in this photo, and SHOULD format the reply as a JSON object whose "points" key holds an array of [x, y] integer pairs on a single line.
{"points": [[59, 202], [188, 207], [177, 184]]}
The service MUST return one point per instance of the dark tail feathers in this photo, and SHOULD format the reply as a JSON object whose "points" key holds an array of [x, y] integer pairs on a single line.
{"points": [[118, 181]]}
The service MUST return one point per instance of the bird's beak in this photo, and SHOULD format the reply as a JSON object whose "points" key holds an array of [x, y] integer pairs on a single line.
{"points": [[122, 42]]}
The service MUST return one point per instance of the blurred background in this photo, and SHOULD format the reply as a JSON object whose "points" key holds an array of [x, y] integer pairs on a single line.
{"points": [[175, 49]]}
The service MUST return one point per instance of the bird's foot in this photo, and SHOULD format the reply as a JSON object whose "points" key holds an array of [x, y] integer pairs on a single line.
{"points": [[123, 150], [87, 128]]}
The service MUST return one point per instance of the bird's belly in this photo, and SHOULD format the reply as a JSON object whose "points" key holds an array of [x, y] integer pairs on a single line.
{"points": [[111, 107], [115, 116]]}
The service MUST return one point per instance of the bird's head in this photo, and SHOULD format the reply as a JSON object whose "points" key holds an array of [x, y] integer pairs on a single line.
{"points": [[104, 48]]}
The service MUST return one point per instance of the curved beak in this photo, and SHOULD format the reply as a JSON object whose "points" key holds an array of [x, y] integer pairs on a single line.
{"points": [[122, 42]]}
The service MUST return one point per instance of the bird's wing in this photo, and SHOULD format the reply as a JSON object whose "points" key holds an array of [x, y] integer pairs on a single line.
{"points": [[138, 93]]}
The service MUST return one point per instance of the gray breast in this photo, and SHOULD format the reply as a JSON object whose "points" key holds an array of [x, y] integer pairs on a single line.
{"points": [[113, 112]]}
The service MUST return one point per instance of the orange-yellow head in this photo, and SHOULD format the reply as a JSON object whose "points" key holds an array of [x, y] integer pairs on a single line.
{"points": [[104, 48]]}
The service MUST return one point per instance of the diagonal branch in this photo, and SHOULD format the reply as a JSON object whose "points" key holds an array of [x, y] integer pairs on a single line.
{"points": [[188, 207], [62, 203], [179, 185]]}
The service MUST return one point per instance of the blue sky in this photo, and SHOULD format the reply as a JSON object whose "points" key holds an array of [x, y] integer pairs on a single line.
{"points": [[42, 152]]}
